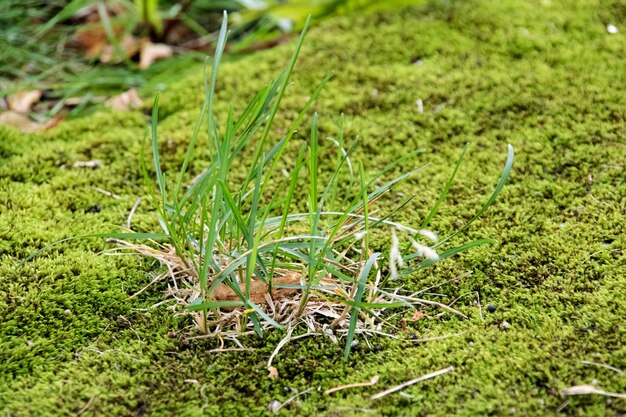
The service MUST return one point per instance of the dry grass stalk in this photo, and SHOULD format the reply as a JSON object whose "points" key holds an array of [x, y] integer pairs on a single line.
{"points": [[411, 382], [369, 383], [326, 303]]}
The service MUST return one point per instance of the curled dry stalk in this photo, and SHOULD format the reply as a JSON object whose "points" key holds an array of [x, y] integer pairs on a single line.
{"points": [[241, 261]]}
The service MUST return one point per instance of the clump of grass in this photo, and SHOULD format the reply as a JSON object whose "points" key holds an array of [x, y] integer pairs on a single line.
{"points": [[241, 261]]}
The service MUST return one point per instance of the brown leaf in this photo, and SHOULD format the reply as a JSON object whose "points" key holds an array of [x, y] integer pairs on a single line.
{"points": [[273, 372], [418, 315], [92, 41], [22, 122], [128, 100], [258, 289], [151, 52], [127, 48], [22, 102], [19, 121]]}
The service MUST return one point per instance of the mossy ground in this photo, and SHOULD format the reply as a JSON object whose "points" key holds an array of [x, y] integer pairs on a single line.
{"points": [[544, 76]]}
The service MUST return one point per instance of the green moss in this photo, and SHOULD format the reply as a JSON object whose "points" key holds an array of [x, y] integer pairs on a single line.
{"points": [[542, 75]]}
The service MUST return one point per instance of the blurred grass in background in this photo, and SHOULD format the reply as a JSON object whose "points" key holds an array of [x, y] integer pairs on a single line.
{"points": [[41, 45]]}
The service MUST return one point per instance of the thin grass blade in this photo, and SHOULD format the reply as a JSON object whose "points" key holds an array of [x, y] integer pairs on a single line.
{"points": [[354, 312], [505, 175], [444, 193]]}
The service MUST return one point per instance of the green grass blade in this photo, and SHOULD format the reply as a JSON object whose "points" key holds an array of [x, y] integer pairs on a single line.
{"points": [[290, 193], [239, 220], [257, 324], [365, 209], [293, 129], [313, 210], [254, 244], [217, 57], [67, 12], [313, 161], [505, 175], [255, 106], [155, 150], [354, 312], [190, 148], [331, 187], [386, 187], [199, 305], [107, 26], [444, 192], [392, 165], [264, 315], [281, 93]]}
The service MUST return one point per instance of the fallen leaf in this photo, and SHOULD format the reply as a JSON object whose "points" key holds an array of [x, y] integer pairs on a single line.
{"points": [[151, 52], [22, 102], [92, 41], [418, 315], [273, 372], [19, 121], [95, 43], [258, 289], [22, 122], [127, 48], [128, 100]]}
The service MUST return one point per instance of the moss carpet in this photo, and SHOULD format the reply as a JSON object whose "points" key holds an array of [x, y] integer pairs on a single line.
{"points": [[545, 76]]}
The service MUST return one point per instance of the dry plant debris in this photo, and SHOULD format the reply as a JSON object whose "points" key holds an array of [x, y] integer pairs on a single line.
{"points": [[23, 101], [589, 389], [125, 101], [412, 382], [151, 52], [369, 383]]}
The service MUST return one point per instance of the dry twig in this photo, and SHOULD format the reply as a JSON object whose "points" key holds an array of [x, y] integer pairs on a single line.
{"points": [[589, 389], [369, 383], [411, 382]]}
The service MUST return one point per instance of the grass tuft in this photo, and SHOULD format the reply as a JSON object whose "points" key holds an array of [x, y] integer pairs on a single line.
{"points": [[241, 261]]}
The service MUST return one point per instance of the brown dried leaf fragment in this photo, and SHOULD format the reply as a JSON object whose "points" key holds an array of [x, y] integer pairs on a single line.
{"points": [[125, 101], [258, 289], [151, 52], [22, 102], [418, 315], [19, 121], [127, 48], [273, 372]]}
